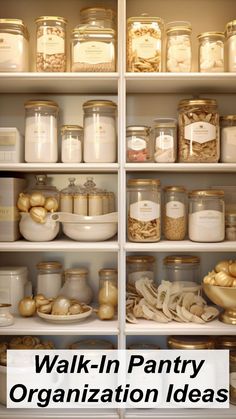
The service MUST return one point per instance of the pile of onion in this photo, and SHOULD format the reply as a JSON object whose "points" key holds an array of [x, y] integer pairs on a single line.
{"points": [[37, 205]]}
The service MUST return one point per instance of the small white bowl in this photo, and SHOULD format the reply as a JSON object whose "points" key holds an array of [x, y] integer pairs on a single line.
{"points": [[36, 232]]}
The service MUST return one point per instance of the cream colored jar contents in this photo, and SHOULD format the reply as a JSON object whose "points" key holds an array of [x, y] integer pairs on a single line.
{"points": [[14, 45], [164, 134], [230, 44], [76, 285], [178, 49], [175, 213], [71, 145], [211, 52], [228, 138], [49, 279]]}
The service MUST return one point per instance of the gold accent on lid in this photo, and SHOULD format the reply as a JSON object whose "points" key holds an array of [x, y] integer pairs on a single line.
{"points": [[49, 265], [146, 19], [48, 103], [174, 189], [228, 118], [76, 271], [194, 102], [106, 103], [143, 182], [181, 259], [52, 18], [178, 26], [213, 33], [93, 31], [99, 9], [71, 128], [226, 342], [191, 342], [140, 259], [107, 271], [207, 193]]}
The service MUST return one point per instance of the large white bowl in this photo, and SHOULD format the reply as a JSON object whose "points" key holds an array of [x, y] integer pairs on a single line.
{"points": [[36, 232], [86, 228]]}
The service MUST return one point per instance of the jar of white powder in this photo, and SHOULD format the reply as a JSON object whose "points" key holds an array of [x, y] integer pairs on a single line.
{"points": [[228, 138], [100, 131], [230, 45], [206, 215], [164, 134], [71, 145], [14, 45]]}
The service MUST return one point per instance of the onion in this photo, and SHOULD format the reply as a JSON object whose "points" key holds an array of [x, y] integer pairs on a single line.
{"points": [[46, 308], [38, 214], [23, 202], [223, 266], [51, 204], [61, 306], [37, 199], [106, 312], [75, 309], [27, 307], [232, 269]]}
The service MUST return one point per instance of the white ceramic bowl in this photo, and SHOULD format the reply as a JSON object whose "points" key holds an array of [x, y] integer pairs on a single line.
{"points": [[3, 385], [36, 232]]}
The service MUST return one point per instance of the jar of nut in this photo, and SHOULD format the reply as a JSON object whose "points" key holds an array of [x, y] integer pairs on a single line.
{"points": [[175, 213], [51, 44], [178, 47]]}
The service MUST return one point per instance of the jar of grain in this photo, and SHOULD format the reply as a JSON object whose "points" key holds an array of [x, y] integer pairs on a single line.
{"points": [[138, 144], [198, 140], [144, 44], [175, 213], [233, 377], [228, 138], [164, 134], [98, 16], [178, 47], [71, 145], [182, 268], [206, 216], [211, 52], [190, 342], [51, 44], [230, 46], [144, 215], [14, 46], [230, 227], [139, 267]]}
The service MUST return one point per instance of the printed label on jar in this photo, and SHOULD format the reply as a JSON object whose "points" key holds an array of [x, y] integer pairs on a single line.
{"points": [[136, 143], [207, 226], [201, 132], [233, 379], [146, 46], [50, 44], [164, 142], [145, 210], [92, 52], [11, 53], [175, 209]]}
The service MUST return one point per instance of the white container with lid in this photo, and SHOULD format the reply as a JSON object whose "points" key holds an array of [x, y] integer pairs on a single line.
{"points": [[71, 145], [14, 46], [11, 145], [14, 285]]}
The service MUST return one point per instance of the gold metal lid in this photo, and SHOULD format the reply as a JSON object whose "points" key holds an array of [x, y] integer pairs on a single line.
{"points": [[226, 342], [143, 182], [212, 33], [17, 23], [165, 123], [228, 118], [174, 189], [76, 271], [207, 193], [52, 18], [190, 342], [92, 344], [230, 26], [146, 19], [47, 103], [71, 128], [13, 22], [178, 26], [198, 102], [105, 103], [4, 305], [93, 31], [137, 128], [141, 346], [108, 271], [181, 259], [49, 265], [140, 259]]}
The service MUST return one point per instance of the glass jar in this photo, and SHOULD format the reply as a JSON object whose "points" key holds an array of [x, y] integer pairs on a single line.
{"points": [[99, 131], [230, 227], [76, 285], [206, 222], [92, 344], [98, 16], [140, 266], [232, 388], [42, 186], [230, 46], [41, 131], [228, 139], [178, 47], [51, 44], [144, 215], [14, 46], [108, 292], [6, 318], [190, 342], [144, 44], [71, 146], [49, 279], [93, 50], [182, 269], [164, 133], [226, 342], [211, 52], [138, 144], [67, 196], [198, 131], [175, 213]]}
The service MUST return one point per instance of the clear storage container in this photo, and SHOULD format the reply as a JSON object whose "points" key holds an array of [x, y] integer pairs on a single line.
{"points": [[175, 213], [42, 185], [198, 140], [144, 44], [41, 131], [230, 46], [50, 44], [108, 292], [14, 46], [182, 268], [71, 145], [98, 16], [178, 47], [206, 216], [230, 227], [138, 144], [164, 133], [144, 202], [228, 139], [76, 285], [191, 342], [140, 266], [211, 52], [49, 278]]}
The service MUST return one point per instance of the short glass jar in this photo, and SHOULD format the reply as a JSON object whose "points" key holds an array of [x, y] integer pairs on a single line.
{"points": [[228, 139], [76, 285], [175, 213], [211, 52], [139, 267], [182, 268], [198, 140], [206, 221], [144, 44], [178, 47], [93, 49], [108, 291], [230, 46], [49, 278], [190, 342], [138, 144], [232, 388], [100, 131], [98, 17], [50, 44], [14, 46], [230, 227], [41, 131], [144, 210], [71, 145], [164, 134]]}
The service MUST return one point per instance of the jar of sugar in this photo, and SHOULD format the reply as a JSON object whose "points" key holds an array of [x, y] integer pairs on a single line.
{"points": [[228, 138], [178, 47], [71, 144]]}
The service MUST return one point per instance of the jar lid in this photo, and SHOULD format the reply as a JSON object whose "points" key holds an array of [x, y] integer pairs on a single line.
{"points": [[49, 265], [165, 122], [92, 344], [71, 128], [140, 259], [197, 102], [105, 103], [191, 342], [96, 9], [230, 26], [232, 356], [213, 34], [181, 260], [16, 270], [174, 189], [228, 118], [178, 26], [207, 193], [107, 271], [93, 31], [143, 182], [146, 19], [52, 18], [48, 103], [137, 128], [226, 342], [141, 346], [76, 271], [18, 22]]}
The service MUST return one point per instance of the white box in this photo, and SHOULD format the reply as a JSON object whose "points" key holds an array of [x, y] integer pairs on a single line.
{"points": [[11, 145]]}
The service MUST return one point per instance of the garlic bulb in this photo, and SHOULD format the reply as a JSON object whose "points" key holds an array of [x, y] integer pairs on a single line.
{"points": [[38, 214], [40, 300], [27, 307], [37, 199], [223, 279], [75, 309], [45, 308], [232, 269], [23, 202], [106, 312], [61, 306], [51, 204]]}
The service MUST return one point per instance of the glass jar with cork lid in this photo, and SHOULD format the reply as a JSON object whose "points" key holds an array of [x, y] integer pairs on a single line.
{"points": [[140, 266], [182, 268]]}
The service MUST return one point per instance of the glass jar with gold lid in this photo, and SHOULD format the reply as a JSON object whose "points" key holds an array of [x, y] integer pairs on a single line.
{"points": [[181, 268], [71, 143], [230, 46], [140, 266], [178, 47], [175, 213], [14, 46], [108, 292], [211, 52], [190, 342]]}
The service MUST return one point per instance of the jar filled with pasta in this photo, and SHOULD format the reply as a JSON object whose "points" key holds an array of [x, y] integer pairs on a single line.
{"points": [[175, 213], [178, 47], [211, 52], [138, 144]]}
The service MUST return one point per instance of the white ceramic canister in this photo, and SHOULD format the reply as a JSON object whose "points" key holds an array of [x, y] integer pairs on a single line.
{"points": [[49, 279], [14, 285]]}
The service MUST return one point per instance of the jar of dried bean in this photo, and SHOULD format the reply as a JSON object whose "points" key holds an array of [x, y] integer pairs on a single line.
{"points": [[175, 213], [211, 52], [178, 47], [198, 140], [144, 44], [138, 144], [144, 213], [51, 44]]}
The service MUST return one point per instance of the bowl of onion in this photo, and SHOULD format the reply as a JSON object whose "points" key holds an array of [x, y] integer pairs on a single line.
{"points": [[36, 231]]}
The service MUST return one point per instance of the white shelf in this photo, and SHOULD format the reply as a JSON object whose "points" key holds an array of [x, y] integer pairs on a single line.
{"points": [[190, 83], [181, 413], [57, 413], [60, 167], [181, 246], [59, 83], [148, 327], [36, 326], [182, 167]]}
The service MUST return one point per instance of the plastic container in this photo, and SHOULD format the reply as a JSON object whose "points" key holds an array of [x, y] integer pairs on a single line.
{"points": [[14, 46], [138, 144], [71, 144], [164, 133], [182, 269], [230, 46], [76, 285], [211, 52], [178, 47], [175, 213], [228, 139], [140, 266], [49, 279]]}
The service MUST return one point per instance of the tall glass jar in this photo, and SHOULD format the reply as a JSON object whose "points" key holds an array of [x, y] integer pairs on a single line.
{"points": [[230, 46], [175, 213], [164, 134], [144, 44], [50, 44], [41, 131], [140, 266], [49, 279], [100, 131], [14, 45], [206, 216], [228, 138], [138, 144], [71, 145], [211, 52], [198, 131], [76, 285], [144, 215], [182, 268], [98, 16], [108, 292], [178, 47], [67, 196]]}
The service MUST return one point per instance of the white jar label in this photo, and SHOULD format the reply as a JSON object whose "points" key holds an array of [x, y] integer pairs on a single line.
{"points": [[228, 136], [39, 130], [201, 132], [146, 46], [175, 209], [50, 44], [136, 143], [11, 51], [164, 142], [181, 53], [145, 210], [92, 52], [233, 379]]}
